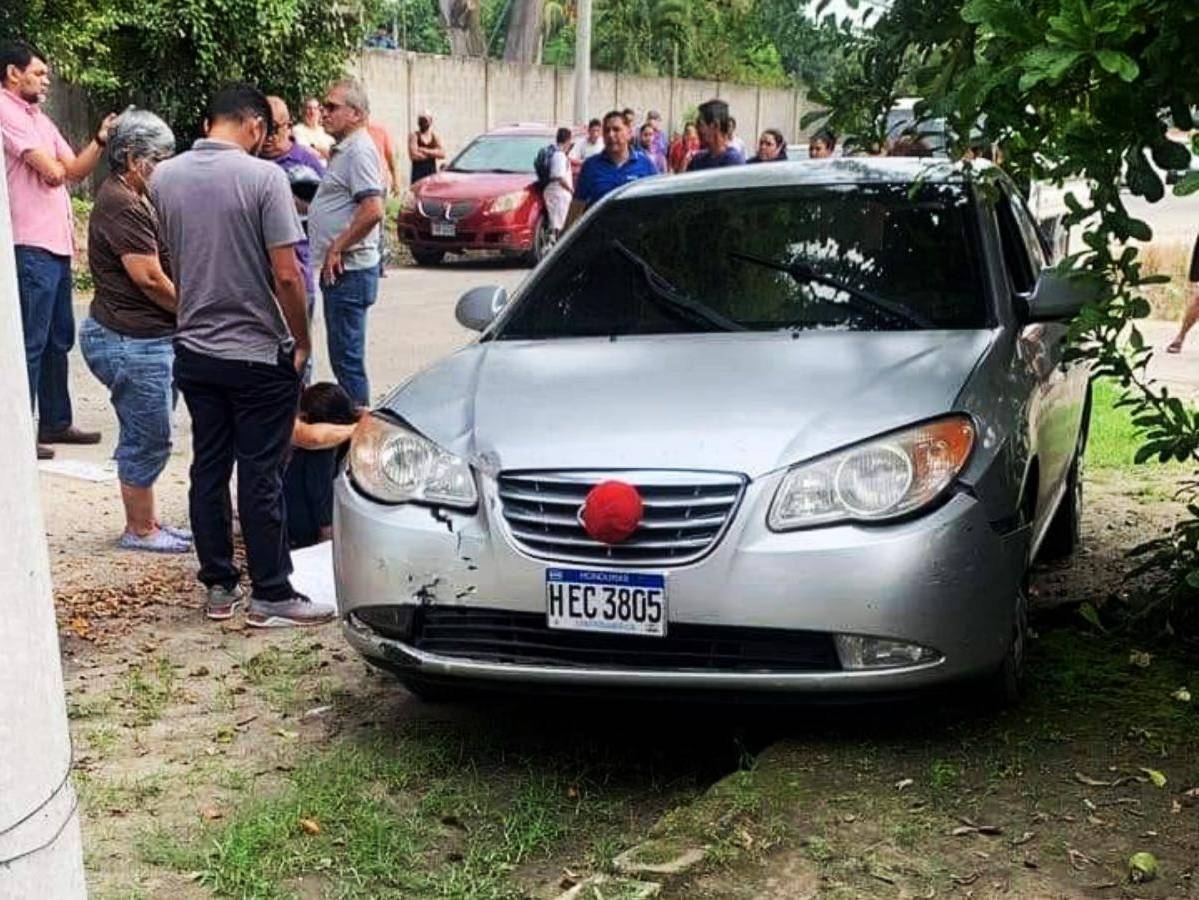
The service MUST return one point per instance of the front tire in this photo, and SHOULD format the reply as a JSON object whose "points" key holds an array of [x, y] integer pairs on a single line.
{"points": [[1065, 530], [428, 257], [1005, 686], [543, 241]]}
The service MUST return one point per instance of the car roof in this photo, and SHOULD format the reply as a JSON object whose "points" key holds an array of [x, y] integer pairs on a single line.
{"points": [[530, 129], [837, 171], [522, 129]]}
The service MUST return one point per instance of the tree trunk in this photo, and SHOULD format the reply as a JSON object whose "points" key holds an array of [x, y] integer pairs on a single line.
{"points": [[524, 31], [464, 25]]}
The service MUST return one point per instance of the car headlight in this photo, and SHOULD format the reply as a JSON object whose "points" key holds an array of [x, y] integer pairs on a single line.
{"points": [[392, 464], [506, 203], [408, 203], [877, 480]]}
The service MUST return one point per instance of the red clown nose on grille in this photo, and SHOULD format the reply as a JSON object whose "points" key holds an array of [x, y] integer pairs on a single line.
{"points": [[612, 511]]}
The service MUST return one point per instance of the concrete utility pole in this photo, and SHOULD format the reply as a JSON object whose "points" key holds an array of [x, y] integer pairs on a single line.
{"points": [[582, 61], [41, 853]]}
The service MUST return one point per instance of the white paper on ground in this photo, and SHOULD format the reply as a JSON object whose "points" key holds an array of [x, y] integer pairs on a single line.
{"points": [[313, 573], [78, 468]]}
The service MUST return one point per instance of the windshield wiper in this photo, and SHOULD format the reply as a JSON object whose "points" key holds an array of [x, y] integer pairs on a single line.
{"points": [[668, 294], [806, 273]]}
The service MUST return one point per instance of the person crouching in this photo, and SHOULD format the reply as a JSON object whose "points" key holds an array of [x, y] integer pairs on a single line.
{"points": [[323, 427]]}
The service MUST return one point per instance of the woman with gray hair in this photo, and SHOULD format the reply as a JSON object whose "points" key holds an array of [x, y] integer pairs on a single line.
{"points": [[126, 339]]}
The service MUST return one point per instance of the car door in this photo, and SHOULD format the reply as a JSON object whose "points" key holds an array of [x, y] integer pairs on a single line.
{"points": [[1040, 349]]}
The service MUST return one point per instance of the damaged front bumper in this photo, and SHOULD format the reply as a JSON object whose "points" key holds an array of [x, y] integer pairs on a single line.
{"points": [[946, 581]]}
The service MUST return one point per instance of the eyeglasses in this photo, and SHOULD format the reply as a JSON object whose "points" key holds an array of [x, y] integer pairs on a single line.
{"points": [[327, 106], [286, 124]]}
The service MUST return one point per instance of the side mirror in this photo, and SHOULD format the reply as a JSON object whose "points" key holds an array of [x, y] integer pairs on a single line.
{"points": [[1058, 297], [479, 306]]}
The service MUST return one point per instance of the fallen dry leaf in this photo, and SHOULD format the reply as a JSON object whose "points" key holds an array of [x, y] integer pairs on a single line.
{"points": [[211, 813], [1158, 779], [1078, 859], [1023, 839], [310, 826]]}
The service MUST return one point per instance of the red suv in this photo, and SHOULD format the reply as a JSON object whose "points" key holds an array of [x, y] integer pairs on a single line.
{"points": [[485, 199]]}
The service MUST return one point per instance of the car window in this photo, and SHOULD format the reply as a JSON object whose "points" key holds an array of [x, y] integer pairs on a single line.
{"points": [[849, 257], [1015, 251], [493, 153], [1030, 233]]}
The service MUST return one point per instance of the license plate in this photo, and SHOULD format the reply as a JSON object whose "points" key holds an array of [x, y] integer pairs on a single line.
{"points": [[620, 602], [444, 229]]}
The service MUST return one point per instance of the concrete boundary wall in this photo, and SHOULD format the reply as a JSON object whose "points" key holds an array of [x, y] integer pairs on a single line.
{"points": [[469, 96]]}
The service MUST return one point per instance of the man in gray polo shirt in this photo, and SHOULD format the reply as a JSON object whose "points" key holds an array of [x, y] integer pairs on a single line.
{"points": [[230, 224], [343, 232]]}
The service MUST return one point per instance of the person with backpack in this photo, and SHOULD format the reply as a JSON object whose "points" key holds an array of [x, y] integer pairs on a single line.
{"points": [[554, 180]]}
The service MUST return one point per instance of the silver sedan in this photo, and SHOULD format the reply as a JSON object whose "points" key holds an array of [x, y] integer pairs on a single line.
{"points": [[792, 428]]}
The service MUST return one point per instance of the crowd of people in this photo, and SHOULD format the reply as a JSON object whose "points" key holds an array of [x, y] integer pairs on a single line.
{"points": [[207, 266], [616, 151]]}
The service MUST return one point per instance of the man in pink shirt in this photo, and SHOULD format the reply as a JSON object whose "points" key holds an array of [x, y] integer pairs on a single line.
{"points": [[38, 164]]}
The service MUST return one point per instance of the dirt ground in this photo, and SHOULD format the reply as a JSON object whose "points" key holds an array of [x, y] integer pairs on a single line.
{"points": [[179, 723]]}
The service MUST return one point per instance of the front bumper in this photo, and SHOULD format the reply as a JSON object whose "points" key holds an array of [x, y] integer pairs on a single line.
{"points": [[947, 580], [475, 233]]}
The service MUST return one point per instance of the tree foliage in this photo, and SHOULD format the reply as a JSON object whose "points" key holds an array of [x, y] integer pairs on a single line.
{"points": [[169, 55], [1070, 89]]}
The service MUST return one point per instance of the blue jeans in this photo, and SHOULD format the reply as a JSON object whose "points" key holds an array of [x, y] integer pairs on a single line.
{"points": [[345, 303], [44, 285], [138, 375]]}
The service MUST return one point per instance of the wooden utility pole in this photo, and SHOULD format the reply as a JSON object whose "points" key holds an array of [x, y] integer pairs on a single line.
{"points": [[41, 853]]}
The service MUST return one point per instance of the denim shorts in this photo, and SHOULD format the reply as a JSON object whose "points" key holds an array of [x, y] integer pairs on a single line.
{"points": [[138, 373]]}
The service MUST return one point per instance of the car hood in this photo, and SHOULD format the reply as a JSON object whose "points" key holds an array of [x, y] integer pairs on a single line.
{"points": [[739, 403], [471, 185]]}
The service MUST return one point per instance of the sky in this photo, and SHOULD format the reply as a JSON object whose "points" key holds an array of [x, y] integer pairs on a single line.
{"points": [[841, 9]]}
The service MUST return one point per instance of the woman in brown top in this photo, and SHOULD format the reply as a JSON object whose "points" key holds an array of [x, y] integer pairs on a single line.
{"points": [[126, 339]]}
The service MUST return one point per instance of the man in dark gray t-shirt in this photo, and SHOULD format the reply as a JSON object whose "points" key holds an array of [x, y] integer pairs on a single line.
{"points": [[231, 227]]}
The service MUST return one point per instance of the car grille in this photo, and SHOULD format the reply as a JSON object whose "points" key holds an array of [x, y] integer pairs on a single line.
{"points": [[520, 638], [447, 210], [685, 514]]}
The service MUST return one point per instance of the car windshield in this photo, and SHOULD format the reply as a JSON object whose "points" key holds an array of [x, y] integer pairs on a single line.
{"points": [[493, 153], [876, 257]]}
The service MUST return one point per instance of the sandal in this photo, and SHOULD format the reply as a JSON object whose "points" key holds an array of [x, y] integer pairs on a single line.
{"points": [[1175, 346]]}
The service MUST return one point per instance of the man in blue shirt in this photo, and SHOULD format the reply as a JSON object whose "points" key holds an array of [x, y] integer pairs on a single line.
{"points": [[618, 164], [715, 128]]}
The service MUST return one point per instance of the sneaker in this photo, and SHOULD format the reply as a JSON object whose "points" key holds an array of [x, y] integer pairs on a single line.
{"points": [[223, 602], [158, 541], [184, 534], [299, 610]]}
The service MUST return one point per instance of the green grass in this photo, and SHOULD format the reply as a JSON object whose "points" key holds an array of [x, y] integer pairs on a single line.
{"points": [[429, 810], [279, 673], [148, 691], [1113, 439]]}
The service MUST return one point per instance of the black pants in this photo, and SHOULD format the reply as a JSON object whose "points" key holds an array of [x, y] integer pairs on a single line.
{"points": [[308, 489], [245, 412]]}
